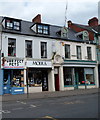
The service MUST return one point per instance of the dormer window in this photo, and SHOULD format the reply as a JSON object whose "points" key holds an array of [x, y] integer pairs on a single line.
{"points": [[43, 29], [12, 24]]}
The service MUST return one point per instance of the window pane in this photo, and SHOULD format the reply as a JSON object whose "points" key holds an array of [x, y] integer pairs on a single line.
{"points": [[43, 50], [9, 24], [67, 51], [11, 47], [78, 52], [28, 46], [89, 53], [68, 76], [43, 29], [89, 72]]}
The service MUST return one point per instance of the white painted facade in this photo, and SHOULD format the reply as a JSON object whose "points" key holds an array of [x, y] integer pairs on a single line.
{"points": [[54, 66], [52, 45]]}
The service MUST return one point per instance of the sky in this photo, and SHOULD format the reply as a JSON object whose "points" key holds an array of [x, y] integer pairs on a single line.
{"points": [[52, 11]]}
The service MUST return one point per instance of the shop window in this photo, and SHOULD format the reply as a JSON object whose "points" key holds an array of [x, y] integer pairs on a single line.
{"points": [[38, 78], [13, 24], [34, 78], [43, 50], [17, 78], [28, 47], [67, 51], [68, 76], [78, 48], [89, 73], [11, 47], [43, 29], [89, 56]]}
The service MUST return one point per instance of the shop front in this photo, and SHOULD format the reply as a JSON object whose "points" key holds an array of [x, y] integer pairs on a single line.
{"points": [[37, 75], [13, 80], [78, 76]]}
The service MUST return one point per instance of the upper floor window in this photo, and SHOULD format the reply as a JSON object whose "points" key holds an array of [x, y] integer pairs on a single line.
{"points": [[89, 55], [43, 29], [11, 47], [28, 47], [43, 50], [67, 51], [13, 24], [78, 48]]}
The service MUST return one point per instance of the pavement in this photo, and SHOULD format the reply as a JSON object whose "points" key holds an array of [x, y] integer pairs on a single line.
{"points": [[47, 94]]}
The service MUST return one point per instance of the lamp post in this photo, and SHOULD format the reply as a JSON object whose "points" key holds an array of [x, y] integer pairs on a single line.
{"points": [[27, 83]]}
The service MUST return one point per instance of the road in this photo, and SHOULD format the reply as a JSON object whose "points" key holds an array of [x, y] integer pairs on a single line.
{"points": [[80, 106]]}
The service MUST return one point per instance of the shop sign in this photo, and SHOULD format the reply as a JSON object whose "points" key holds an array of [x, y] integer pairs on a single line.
{"points": [[39, 64], [13, 63]]}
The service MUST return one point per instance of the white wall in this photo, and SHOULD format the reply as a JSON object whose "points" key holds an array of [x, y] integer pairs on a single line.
{"points": [[83, 50], [20, 45]]}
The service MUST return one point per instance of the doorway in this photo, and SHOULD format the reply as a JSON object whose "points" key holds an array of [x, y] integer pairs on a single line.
{"points": [[7, 82], [79, 77], [56, 76]]}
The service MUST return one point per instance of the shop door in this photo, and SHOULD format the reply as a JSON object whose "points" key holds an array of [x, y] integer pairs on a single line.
{"points": [[7, 86], [57, 82], [44, 81]]}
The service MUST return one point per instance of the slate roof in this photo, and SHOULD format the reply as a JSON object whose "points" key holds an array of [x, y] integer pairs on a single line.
{"points": [[26, 30]]}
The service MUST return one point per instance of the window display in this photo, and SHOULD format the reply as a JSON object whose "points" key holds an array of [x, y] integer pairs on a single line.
{"points": [[38, 78], [68, 76], [17, 78], [89, 76]]}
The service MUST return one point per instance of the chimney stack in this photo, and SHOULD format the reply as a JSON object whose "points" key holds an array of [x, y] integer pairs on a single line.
{"points": [[93, 22], [37, 19]]}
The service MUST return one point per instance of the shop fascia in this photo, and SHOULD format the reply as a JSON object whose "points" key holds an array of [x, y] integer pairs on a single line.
{"points": [[12, 63], [38, 63], [21, 63]]}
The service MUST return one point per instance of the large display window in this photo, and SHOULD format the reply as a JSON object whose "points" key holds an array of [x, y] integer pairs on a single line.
{"points": [[17, 78], [14, 77], [68, 76], [89, 74], [38, 78]]}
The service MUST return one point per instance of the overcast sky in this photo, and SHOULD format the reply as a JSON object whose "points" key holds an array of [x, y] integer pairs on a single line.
{"points": [[52, 11]]}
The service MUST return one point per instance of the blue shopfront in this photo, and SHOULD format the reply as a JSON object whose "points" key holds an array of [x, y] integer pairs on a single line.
{"points": [[13, 81], [13, 76]]}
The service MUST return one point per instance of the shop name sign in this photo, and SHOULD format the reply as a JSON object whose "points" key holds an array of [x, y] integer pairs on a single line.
{"points": [[39, 64], [14, 63]]}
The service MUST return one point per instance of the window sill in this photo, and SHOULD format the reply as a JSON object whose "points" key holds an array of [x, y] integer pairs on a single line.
{"points": [[68, 85]]}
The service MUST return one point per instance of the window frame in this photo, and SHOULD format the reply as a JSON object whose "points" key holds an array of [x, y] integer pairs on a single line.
{"points": [[9, 21], [12, 47], [67, 49], [45, 50], [79, 52], [26, 52], [89, 53], [44, 29]]}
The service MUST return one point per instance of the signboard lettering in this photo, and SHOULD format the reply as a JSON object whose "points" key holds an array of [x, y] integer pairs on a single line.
{"points": [[13, 63]]}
